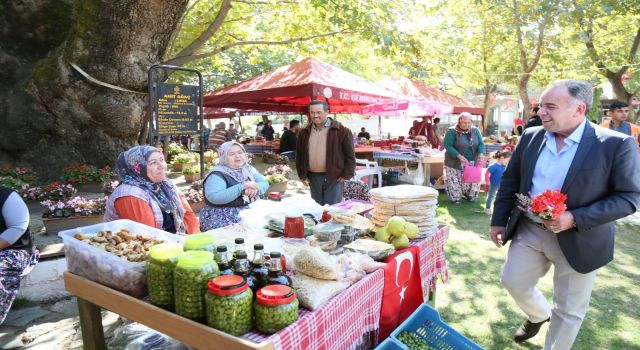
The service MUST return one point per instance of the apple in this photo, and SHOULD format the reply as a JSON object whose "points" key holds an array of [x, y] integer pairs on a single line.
{"points": [[412, 230], [382, 235], [396, 225], [401, 242]]}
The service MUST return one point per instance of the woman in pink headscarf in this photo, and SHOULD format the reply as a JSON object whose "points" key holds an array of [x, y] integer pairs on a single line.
{"points": [[463, 146]]}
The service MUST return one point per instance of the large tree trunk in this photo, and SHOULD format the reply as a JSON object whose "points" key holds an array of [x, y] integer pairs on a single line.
{"points": [[52, 116], [523, 83]]}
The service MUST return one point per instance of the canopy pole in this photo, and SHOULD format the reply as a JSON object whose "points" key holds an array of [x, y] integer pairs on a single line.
{"points": [[379, 127]]}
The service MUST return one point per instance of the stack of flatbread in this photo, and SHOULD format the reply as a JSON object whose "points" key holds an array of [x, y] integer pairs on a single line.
{"points": [[415, 204]]}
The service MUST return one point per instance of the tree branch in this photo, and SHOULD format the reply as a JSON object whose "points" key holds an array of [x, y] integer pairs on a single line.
{"points": [[523, 52], [634, 48], [183, 59], [541, 25], [266, 2], [179, 58]]}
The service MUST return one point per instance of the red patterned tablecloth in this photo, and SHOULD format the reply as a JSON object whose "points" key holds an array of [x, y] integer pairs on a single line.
{"points": [[351, 319]]}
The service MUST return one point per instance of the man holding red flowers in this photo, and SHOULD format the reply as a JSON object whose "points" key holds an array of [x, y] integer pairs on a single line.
{"points": [[596, 169]]}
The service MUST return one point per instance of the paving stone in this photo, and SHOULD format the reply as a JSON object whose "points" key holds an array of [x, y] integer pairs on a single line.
{"points": [[22, 317], [67, 307], [53, 340]]}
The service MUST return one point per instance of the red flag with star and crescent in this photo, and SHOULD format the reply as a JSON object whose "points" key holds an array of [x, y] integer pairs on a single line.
{"points": [[402, 289]]}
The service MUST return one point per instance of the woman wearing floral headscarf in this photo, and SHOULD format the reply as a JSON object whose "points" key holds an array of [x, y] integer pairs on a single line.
{"points": [[463, 146], [147, 196], [230, 187]]}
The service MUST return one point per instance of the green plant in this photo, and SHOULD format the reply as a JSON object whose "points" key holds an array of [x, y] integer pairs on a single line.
{"points": [[174, 149], [190, 170], [275, 178], [183, 158], [11, 182], [25, 175]]}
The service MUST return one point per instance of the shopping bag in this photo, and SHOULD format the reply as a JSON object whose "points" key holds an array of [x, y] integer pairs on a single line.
{"points": [[472, 174]]}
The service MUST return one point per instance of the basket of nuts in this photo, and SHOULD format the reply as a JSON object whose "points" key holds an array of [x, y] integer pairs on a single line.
{"points": [[114, 253]]}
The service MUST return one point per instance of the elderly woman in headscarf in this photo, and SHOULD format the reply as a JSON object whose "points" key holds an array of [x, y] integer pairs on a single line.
{"points": [[463, 146], [147, 196], [230, 187]]}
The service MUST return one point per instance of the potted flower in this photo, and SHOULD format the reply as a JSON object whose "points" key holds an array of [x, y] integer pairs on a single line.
{"points": [[277, 177], [174, 149], [75, 212], [24, 175], [277, 183], [87, 178], [210, 156], [195, 199], [11, 182], [183, 160], [109, 186], [191, 173], [32, 195]]}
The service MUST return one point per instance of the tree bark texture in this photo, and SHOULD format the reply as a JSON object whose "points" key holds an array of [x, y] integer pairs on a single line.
{"points": [[52, 116]]}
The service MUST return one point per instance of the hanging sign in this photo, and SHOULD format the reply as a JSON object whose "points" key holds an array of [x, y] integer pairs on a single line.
{"points": [[176, 109]]}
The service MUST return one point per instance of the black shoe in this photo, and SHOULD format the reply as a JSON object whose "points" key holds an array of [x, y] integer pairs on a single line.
{"points": [[528, 330]]}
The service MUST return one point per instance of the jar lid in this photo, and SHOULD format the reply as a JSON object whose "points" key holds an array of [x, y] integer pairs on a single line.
{"points": [[239, 240], [275, 294], [198, 241], [275, 254], [227, 285], [240, 254], [165, 251], [258, 246], [194, 259], [221, 248]]}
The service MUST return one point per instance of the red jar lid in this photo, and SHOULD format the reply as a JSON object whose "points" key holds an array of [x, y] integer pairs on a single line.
{"points": [[228, 285], [275, 294]]}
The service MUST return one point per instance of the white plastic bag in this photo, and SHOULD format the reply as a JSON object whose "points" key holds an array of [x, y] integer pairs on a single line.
{"points": [[312, 292]]}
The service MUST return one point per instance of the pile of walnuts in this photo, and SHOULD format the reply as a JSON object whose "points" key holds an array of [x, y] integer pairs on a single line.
{"points": [[133, 248]]}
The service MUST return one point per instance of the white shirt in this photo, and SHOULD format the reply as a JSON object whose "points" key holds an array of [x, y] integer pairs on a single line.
{"points": [[552, 166]]}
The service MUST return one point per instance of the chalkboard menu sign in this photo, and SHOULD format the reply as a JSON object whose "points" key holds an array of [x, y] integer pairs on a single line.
{"points": [[177, 109]]}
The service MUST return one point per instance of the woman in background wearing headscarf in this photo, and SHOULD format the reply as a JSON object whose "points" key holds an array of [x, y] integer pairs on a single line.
{"points": [[147, 196], [463, 146], [230, 187]]}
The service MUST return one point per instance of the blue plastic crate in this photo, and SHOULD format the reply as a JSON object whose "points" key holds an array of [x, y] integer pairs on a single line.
{"points": [[426, 323], [391, 344]]}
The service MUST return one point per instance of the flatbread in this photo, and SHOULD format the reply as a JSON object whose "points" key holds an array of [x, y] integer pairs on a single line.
{"points": [[404, 192]]}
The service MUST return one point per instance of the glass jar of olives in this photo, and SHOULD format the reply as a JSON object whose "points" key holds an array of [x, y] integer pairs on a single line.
{"points": [[276, 307], [160, 266], [193, 272], [200, 241], [229, 304]]}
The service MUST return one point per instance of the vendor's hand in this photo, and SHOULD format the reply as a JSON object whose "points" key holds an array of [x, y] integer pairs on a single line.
{"points": [[564, 222], [341, 179], [497, 232], [463, 159], [251, 184], [251, 193], [305, 182]]}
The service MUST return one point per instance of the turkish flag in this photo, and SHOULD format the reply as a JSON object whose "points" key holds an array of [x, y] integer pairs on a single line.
{"points": [[402, 289]]}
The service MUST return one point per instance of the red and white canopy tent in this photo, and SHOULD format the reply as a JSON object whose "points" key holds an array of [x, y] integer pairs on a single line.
{"points": [[420, 91], [291, 88]]}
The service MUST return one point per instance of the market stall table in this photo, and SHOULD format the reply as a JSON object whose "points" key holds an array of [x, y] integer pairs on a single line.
{"points": [[349, 320], [426, 159], [256, 148], [366, 152]]}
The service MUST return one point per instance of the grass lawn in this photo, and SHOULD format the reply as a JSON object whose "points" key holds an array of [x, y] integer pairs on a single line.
{"points": [[474, 302]]}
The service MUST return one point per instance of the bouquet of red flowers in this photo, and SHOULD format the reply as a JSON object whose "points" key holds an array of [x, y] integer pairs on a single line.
{"points": [[547, 205]]}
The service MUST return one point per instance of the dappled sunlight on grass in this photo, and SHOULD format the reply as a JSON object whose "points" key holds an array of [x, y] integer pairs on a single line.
{"points": [[474, 302]]}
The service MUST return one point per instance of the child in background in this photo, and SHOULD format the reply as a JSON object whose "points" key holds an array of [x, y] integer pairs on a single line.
{"points": [[495, 175]]}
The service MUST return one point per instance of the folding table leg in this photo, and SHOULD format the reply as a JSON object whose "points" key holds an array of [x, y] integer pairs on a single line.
{"points": [[91, 325]]}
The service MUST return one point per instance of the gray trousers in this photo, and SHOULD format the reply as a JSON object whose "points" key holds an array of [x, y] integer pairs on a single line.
{"points": [[325, 192]]}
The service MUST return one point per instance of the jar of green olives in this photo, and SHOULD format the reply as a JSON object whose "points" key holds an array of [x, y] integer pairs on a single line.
{"points": [[193, 272], [200, 241], [229, 304], [276, 307], [160, 266]]}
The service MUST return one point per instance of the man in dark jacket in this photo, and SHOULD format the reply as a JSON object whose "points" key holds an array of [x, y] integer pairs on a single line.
{"points": [[597, 169], [325, 157], [267, 131], [534, 119], [290, 138]]}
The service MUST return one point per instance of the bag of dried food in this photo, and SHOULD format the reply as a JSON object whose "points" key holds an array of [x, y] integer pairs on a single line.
{"points": [[313, 292], [318, 264]]}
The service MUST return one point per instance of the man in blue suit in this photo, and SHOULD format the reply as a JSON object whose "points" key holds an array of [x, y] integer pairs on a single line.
{"points": [[598, 171]]}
